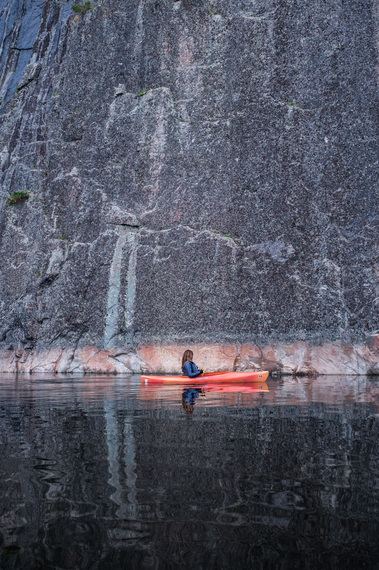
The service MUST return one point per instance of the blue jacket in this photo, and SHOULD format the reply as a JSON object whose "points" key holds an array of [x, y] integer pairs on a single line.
{"points": [[190, 395], [190, 369]]}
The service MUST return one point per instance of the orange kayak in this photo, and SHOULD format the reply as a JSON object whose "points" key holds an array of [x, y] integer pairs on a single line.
{"points": [[208, 377]]}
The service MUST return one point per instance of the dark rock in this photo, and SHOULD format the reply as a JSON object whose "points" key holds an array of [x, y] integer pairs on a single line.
{"points": [[211, 175]]}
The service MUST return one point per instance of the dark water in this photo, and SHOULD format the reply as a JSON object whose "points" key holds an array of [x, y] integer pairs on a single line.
{"points": [[102, 472]]}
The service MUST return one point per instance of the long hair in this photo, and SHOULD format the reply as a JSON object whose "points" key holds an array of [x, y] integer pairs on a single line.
{"points": [[188, 408], [187, 357]]}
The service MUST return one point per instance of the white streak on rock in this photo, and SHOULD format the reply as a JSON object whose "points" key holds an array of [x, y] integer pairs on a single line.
{"points": [[138, 42], [131, 282], [278, 250], [57, 258], [157, 101], [111, 324]]}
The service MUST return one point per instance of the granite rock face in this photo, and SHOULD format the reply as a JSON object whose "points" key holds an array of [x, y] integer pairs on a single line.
{"points": [[199, 173]]}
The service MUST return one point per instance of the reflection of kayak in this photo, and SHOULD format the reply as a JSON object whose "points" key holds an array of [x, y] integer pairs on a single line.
{"points": [[234, 393], [253, 387], [208, 378]]}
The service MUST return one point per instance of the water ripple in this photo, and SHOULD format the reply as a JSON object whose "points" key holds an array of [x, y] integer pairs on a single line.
{"points": [[103, 472]]}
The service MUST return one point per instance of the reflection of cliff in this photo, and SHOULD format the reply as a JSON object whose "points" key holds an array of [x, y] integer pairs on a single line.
{"points": [[115, 481], [276, 480], [122, 462], [66, 471]]}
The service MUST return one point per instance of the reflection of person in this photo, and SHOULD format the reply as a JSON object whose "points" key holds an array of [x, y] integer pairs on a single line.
{"points": [[189, 396], [189, 368]]}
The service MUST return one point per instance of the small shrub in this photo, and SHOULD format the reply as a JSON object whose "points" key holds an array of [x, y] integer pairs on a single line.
{"points": [[82, 8], [213, 11], [18, 197], [142, 92], [229, 236]]}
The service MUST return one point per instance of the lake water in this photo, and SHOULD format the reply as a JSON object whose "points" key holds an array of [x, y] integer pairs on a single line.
{"points": [[105, 473]]}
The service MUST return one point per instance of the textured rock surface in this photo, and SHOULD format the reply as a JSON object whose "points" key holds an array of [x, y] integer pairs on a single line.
{"points": [[202, 173]]}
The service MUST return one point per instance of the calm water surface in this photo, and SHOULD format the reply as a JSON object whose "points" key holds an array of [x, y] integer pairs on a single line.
{"points": [[103, 472]]}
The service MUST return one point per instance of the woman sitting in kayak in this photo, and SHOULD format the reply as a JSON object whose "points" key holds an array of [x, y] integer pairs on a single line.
{"points": [[189, 368]]}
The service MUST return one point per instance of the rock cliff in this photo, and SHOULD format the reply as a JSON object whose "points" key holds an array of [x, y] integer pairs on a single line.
{"points": [[199, 174]]}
